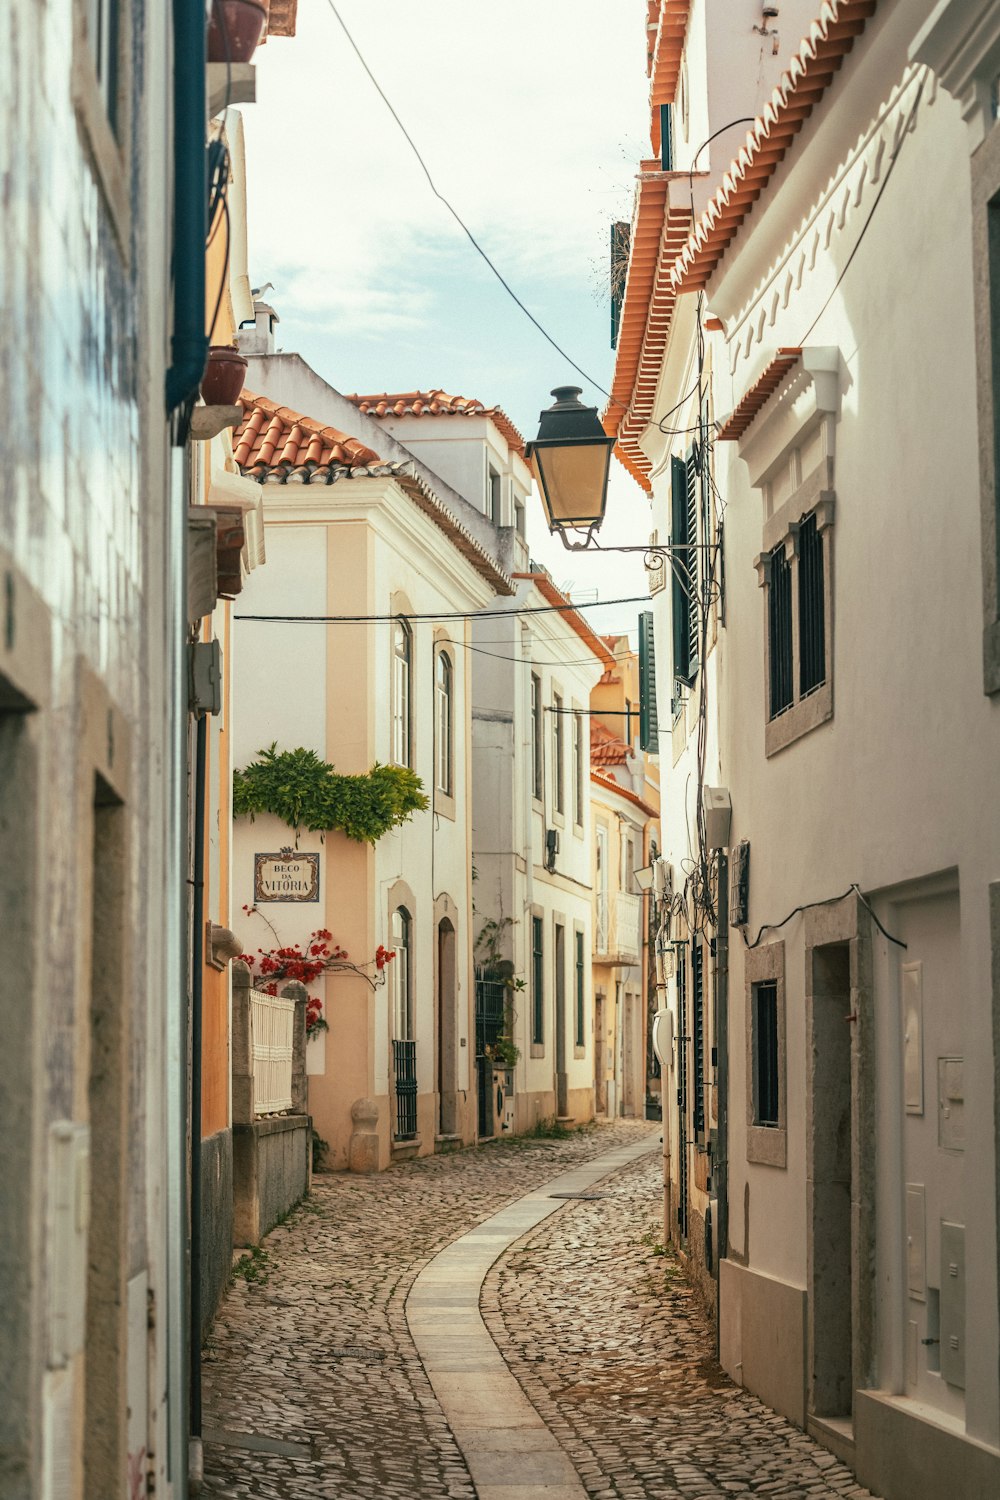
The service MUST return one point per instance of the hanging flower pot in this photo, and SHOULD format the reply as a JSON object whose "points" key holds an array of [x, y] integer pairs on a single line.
{"points": [[224, 376], [235, 30]]}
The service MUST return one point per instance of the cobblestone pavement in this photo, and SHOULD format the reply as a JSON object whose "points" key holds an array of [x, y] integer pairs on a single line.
{"points": [[610, 1344], [319, 1356], [315, 1358]]}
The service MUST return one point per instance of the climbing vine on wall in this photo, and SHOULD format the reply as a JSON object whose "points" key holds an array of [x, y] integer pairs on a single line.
{"points": [[307, 792]]}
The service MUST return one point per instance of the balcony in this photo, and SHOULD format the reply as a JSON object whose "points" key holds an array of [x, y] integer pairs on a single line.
{"points": [[618, 929]]}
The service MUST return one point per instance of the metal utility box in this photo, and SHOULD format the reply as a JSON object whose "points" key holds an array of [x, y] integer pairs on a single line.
{"points": [[718, 815], [953, 1304]]}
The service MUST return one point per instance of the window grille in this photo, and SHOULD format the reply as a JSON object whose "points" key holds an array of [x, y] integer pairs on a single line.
{"points": [[812, 630], [698, 1036], [580, 990], [404, 1063], [682, 1075], [765, 1058], [537, 784], [779, 610], [684, 565], [537, 983]]}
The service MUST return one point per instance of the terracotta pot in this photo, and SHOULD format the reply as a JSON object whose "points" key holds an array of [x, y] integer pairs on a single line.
{"points": [[223, 379], [244, 22]]}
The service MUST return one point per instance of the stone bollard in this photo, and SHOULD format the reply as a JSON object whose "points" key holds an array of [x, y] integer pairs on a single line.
{"points": [[363, 1155], [300, 1084], [242, 1047]]}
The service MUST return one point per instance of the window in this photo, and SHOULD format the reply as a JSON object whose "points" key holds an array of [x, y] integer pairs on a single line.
{"points": [[580, 991], [400, 973], [537, 983], [765, 1053], [794, 572], [494, 497], [698, 1037], [402, 684], [558, 740], [767, 1135], [779, 630], [578, 771], [103, 39], [628, 721], [537, 756], [684, 541], [443, 724], [628, 862], [101, 84], [519, 523]]}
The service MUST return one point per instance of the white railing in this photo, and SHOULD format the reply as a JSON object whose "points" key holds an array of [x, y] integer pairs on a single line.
{"points": [[601, 933], [271, 1036], [628, 924]]}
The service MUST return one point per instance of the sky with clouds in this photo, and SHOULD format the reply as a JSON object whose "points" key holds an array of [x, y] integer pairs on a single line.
{"points": [[531, 116]]}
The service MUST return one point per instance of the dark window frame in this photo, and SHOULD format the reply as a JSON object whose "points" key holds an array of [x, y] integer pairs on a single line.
{"points": [[537, 981]]}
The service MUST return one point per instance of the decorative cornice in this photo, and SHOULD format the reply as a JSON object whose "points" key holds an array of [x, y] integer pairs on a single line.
{"points": [[960, 42]]}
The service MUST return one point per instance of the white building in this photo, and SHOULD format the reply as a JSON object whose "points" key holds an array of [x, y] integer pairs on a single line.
{"points": [[777, 361], [385, 681]]}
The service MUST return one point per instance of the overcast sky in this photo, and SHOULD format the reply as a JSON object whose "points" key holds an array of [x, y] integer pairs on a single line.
{"points": [[531, 116]]}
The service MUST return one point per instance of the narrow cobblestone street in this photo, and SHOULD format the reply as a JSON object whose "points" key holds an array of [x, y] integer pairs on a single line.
{"points": [[313, 1385]]}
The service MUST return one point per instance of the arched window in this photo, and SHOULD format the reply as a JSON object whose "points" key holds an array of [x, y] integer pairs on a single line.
{"points": [[443, 724], [402, 695], [402, 989]]}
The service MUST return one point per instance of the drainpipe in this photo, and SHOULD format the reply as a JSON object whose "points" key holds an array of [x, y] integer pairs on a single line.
{"points": [[189, 341], [722, 1080], [197, 976]]}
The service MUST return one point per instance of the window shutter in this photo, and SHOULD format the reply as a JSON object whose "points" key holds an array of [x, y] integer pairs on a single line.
{"points": [[621, 237], [648, 720], [679, 564], [694, 496], [812, 631]]}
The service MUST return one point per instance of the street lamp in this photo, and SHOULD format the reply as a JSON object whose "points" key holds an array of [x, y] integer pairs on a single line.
{"points": [[570, 458]]}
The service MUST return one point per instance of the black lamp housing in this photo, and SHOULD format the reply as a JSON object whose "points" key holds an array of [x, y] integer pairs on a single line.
{"points": [[571, 457]]}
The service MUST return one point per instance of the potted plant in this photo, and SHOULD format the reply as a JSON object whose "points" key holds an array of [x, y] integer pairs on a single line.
{"points": [[235, 30], [224, 376]]}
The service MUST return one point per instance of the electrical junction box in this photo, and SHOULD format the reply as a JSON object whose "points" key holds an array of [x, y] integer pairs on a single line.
{"points": [[718, 808], [205, 677], [663, 1037]]}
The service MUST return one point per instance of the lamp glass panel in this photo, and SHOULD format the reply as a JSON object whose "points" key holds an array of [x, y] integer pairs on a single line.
{"points": [[573, 481]]}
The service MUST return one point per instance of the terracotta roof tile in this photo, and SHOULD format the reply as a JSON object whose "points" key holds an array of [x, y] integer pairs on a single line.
{"points": [[664, 60], [276, 445], [271, 435], [750, 404], [659, 232], [606, 749], [802, 86], [437, 404], [606, 780]]}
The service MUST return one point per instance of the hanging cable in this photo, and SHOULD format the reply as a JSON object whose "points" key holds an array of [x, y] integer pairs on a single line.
{"points": [[458, 218], [456, 614]]}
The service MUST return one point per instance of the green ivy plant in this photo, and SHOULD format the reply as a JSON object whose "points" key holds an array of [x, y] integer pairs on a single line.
{"points": [[306, 792]]}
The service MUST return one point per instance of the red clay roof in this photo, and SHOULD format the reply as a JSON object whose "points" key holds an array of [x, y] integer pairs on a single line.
{"points": [[437, 404], [658, 234], [802, 86], [572, 616], [606, 749], [276, 445], [664, 60], [272, 435], [750, 404], [606, 780], [281, 17]]}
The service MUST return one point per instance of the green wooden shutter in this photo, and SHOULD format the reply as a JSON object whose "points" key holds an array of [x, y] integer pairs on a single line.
{"points": [[693, 497], [648, 721], [679, 609]]}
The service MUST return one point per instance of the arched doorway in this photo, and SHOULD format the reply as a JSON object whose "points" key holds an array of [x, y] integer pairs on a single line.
{"points": [[446, 1002]]}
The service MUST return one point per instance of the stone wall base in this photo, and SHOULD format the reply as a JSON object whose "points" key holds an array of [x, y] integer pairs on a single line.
{"points": [[763, 1337], [902, 1453], [272, 1169], [216, 1222]]}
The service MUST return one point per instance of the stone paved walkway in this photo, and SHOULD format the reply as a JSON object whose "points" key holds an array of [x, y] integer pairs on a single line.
{"points": [[314, 1387]]}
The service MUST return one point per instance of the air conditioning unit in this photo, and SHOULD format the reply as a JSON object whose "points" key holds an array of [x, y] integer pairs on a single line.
{"points": [[551, 848]]}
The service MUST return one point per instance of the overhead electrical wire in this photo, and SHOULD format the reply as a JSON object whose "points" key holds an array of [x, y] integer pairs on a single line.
{"points": [[457, 216], [455, 614]]}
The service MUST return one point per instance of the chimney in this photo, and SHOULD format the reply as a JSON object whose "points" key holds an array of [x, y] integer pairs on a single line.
{"points": [[258, 337]]}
